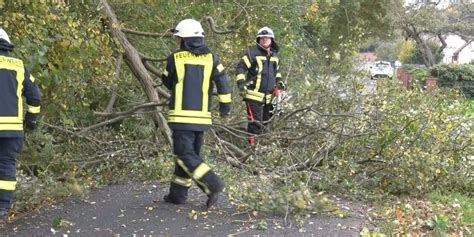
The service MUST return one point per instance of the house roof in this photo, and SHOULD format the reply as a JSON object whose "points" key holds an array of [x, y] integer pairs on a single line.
{"points": [[368, 56]]}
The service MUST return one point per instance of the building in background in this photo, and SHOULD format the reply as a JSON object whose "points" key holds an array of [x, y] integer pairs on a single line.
{"points": [[457, 51], [441, 4], [368, 57]]}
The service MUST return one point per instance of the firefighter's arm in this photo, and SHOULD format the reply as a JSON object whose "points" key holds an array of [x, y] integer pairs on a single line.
{"points": [[242, 69], [223, 89], [33, 100], [169, 72], [280, 84]]}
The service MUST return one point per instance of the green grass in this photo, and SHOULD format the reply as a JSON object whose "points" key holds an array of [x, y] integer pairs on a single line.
{"points": [[470, 111], [466, 205]]}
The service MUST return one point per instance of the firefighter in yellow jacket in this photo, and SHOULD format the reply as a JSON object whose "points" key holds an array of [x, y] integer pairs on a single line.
{"points": [[15, 82], [258, 77], [190, 74]]}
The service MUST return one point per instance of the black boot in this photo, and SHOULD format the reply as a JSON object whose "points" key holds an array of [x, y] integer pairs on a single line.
{"points": [[4, 213], [215, 186], [212, 199], [177, 195]]}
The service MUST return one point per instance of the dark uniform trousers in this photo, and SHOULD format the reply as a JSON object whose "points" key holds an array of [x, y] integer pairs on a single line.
{"points": [[10, 147], [259, 115], [190, 166]]}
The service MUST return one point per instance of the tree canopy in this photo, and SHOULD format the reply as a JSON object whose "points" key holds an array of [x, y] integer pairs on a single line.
{"points": [[428, 26]]}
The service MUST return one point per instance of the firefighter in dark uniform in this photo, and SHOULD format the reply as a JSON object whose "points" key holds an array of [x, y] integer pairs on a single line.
{"points": [[190, 74], [257, 78], [15, 82]]}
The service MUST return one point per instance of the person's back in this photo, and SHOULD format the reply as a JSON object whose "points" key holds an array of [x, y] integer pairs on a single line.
{"points": [[190, 74], [15, 82]]}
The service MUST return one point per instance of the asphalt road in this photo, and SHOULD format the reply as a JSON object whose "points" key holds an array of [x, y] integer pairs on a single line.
{"points": [[137, 209]]}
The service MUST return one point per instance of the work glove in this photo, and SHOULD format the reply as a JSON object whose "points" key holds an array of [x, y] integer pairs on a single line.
{"points": [[281, 85], [276, 92], [31, 122]]}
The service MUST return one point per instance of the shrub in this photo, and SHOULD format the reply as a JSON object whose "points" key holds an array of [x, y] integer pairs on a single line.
{"points": [[453, 72], [419, 72], [456, 76], [415, 143]]}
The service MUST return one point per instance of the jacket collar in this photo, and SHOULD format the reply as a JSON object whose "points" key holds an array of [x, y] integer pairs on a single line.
{"points": [[195, 45], [5, 46]]}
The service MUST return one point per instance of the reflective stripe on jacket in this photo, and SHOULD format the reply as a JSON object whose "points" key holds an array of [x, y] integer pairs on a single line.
{"points": [[16, 82], [259, 73], [190, 78]]}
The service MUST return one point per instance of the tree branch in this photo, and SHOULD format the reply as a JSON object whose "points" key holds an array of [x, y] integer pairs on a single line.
{"points": [[133, 60], [142, 33], [119, 116], [156, 72], [72, 133], [232, 148], [112, 100], [132, 110], [106, 122], [212, 24], [147, 58], [443, 43]]}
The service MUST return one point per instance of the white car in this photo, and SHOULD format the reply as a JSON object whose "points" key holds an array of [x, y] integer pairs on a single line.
{"points": [[381, 69]]}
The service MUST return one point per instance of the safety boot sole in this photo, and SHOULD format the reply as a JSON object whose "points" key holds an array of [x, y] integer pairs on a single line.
{"points": [[212, 199], [169, 199]]}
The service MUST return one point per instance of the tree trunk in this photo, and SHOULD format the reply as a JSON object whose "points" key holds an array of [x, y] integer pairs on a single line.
{"points": [[133, 60], [425, 49], [428, 57]]}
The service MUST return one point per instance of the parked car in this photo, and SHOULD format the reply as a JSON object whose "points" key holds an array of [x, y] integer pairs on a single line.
{"points": [[381, 69]]}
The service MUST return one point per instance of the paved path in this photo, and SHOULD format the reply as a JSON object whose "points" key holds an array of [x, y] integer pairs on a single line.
{"points": [[131, 209]]}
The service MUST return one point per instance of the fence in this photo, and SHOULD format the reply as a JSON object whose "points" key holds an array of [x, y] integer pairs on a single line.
{"points": [[404, 77]]}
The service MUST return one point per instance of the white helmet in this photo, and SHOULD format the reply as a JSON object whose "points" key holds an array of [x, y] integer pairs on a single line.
{"points": [[188, 28], [265, 32], [4, 35]]}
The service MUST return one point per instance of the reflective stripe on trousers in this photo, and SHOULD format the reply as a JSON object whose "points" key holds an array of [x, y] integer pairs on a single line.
{"points": [[189, 164], [10, 148]]}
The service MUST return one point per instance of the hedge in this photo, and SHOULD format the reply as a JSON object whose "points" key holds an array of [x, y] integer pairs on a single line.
{"points": [[453, 72]]}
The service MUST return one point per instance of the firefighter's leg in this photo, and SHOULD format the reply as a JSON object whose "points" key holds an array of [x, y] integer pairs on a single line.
{"points": [[267, 115], [255, 113], [194, 166], [208, 181], [180, 184], [214, 183], [10, 148], [198, 142], [181, 181]]}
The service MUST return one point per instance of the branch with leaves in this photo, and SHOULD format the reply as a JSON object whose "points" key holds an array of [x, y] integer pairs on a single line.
{"points": [[134, 61]]}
